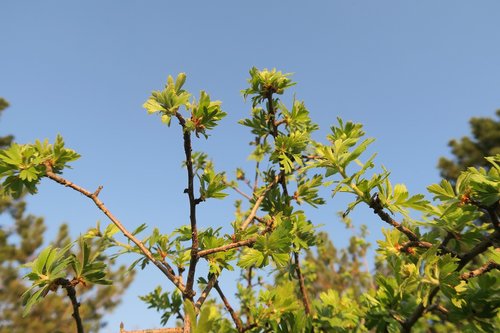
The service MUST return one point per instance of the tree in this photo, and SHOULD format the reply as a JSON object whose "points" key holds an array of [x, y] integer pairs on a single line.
{"points": [[19, 242], [443, 267], [471, 152], [329, 270]]}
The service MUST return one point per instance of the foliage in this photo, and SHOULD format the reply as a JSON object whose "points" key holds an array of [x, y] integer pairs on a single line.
{"points": [[21, 236], [471, 151], [437, 266]]}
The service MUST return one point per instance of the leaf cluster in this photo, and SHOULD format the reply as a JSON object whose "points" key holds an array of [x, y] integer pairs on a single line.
{"points": [[22, 166]]}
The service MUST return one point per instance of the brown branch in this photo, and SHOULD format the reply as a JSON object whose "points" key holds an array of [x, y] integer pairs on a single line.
{"points": [[162, 265], [187, 324], [493, 211], [206, 291], [279, 123], [479, 248], [253, 212], [489, 266], [438, 308], [272, 120], [406, 247], [378, 209], [256, 178], [234, 316], [249, 277], [189, 292], [227, 247], [410, 244], [238, 190], [70, 289], [419, 311], [257, 204], [303, 290]]}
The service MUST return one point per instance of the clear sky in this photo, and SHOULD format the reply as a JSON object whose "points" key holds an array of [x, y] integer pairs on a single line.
{"points": [[413, 72]]}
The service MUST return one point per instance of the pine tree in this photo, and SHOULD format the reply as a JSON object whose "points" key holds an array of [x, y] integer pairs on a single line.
{"points": [[471, 151]]}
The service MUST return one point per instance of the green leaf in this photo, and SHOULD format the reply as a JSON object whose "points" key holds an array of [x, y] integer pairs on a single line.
{"points": [[30, 174], [358, 151], [139, 229], [152, 106], [32, 300], [12, 155], [41, 260], [443, 191], [251, 257]]}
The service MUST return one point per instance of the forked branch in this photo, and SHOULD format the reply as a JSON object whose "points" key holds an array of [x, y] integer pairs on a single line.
{"points": [[164, 267]]}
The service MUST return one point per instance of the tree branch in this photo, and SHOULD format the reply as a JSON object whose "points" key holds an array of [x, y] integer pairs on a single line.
{"points": [[274, 127], [303, 290], [189, 292], [234, 316], [489, 266], [257, 204], [419, 311], [163, 266], [378, 209], [70, 289], [206, 291], [406, 246], [238, 190], [227, 247], [493, 211], [479, 248]]}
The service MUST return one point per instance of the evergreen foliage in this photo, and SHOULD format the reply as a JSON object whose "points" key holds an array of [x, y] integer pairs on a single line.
{"points": [[471, 151]]}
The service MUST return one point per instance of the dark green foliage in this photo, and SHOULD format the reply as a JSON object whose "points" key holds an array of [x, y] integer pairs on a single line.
{"points": [[471, 151]]}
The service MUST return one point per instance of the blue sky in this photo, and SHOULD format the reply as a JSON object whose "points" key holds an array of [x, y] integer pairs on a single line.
{"points": [[412, 72]]}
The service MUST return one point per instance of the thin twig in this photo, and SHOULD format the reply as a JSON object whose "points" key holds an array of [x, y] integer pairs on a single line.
{"points": [[189, 292], [478, 249], [303, 290], [249, 277], [419, 311], [239, 191], [378, 209], [234, 316], [163, 266], [275, 133], [406, 246], [257, 204], [493, 211], [227, 247], [211, 282], [489, 266]]}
